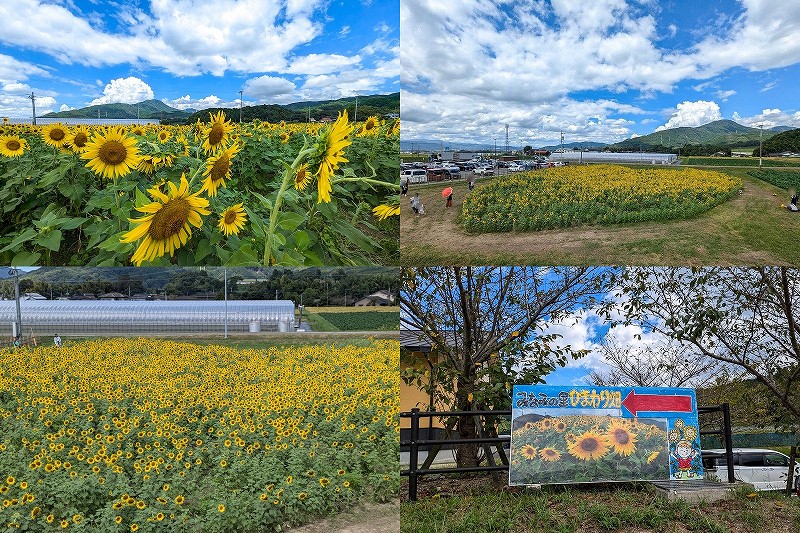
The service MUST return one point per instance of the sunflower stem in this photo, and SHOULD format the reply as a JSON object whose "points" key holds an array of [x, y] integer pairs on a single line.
{"points": [[368, 180], [288, 176]]}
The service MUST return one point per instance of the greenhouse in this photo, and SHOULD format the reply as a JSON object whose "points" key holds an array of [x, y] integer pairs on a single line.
{"points": [[91, 317], [641, 158]]}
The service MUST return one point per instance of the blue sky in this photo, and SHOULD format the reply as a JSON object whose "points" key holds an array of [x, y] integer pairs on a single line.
{"points": [[195, 53], [602, 71]]}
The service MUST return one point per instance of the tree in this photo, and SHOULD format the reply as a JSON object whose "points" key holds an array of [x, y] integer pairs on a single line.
{"points": [[660, 364], [486, 325], [745, 318]]}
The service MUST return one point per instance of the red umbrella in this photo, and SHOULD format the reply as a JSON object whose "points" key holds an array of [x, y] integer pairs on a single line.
{"points": [[447, 192]]}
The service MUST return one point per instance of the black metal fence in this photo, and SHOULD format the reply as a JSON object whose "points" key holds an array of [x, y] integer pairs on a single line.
{"points": [[414, 443]]}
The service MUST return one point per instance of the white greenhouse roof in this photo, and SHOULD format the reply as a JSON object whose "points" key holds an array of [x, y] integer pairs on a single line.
{"points": [[614, 157]]}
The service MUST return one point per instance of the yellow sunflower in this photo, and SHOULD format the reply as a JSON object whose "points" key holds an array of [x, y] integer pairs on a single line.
{"points": [[560, 426], [549, 454], [370, 127], [164, 135], [301, 177], [622, 438], [528, 452], [78, 139], [330, 147], [385, 211], [12, 145], [232, 220], [218, 169], [217, 133], [652, 457], [113, 154], [55, 134], [590, 445], [169, 221]]}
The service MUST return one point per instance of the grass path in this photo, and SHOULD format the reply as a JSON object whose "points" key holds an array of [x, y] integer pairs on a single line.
{"points": [[749, 230]]}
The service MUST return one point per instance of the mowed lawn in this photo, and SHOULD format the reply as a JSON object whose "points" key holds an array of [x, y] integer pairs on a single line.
{"points": [[751, 229]]}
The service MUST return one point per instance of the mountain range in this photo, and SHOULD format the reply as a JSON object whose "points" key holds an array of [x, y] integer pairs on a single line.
{"points": [[379, 105], [720, 132]]}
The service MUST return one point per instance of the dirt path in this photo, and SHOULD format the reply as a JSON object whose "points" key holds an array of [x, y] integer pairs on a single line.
{"points": [[366, 518], [750, 229]]}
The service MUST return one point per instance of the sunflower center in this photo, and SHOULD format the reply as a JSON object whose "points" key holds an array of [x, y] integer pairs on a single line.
{"points": [[621, 436], [589, 445], [550, 452], [169, 220], [112, 152], [216, 134], [13, 145], [230, 217], [57, 134], [80, 140], [300, 177], [220, 168]]}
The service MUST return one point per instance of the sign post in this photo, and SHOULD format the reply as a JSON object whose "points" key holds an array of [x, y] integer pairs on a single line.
{"points": [[575, 434]]}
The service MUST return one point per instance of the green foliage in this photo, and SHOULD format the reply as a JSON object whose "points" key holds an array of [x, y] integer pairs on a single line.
{"points": [[787, 141], [785, 179], [736, 162], [362, 320]]}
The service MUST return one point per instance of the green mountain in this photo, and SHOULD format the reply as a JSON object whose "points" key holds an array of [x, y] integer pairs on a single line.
{"points": [[786, 141], [720, 132], [380, 105], [147, 109]]}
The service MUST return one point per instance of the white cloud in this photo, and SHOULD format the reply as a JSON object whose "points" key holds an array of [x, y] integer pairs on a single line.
{"points": [[724, 95], [65, 107], [187, 102], [693, 114], [264, 87], [770, 118], [125, 90], [321, 63], [13, 70], [344, 31]]}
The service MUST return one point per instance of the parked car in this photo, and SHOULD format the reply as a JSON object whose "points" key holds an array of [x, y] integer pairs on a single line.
{"points": [[437, 174], [484, 171], [515, 168], [416, 175], [764, 469]]}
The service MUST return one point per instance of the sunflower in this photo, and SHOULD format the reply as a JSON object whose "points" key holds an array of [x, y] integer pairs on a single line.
{"points": [[168, 223], [301, 177], [139, 131], [549, 454], [560, 426], [55, 134], [12, 145], [528, 452], [590, 445], [370, 127], [385, 211], [112, 154], [330, 147], [218, 169], [78, 139], [164, 135], [216, 133], [232, 220], [545, 423], [623, 440], [285, 136], [652, 457]]}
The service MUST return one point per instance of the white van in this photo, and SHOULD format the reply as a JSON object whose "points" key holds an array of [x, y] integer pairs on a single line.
{"points": [[764, 469], [414, 175]]}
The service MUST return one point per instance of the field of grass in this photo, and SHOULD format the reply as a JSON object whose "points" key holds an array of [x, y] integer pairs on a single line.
{"points": [[785, 179], [329, 319], [750, 229], [740, 161], [474, 505]]}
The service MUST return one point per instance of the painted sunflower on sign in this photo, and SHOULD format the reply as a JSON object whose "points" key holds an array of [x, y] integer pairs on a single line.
{"points": [[55, 134], [528, 452], [12, 145], [232, 219], [590, 445], [329, 153], [113, 154], [549, 454], [169, 221], [622, 439]]}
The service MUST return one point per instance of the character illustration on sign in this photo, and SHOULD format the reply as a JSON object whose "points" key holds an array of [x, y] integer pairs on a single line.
{"points": [[684, 455]]}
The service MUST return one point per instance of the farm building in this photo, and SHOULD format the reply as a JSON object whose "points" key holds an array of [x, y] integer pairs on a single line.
{"points": [[124, 318], [614, 157], [416, 351], [383, 297]]}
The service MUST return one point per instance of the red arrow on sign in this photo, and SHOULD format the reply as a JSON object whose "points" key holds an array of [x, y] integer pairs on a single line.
{"points": [[655, 402]]}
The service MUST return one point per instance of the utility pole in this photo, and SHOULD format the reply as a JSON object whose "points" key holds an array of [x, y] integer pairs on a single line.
{"points": [[562, 141], [760, 134], [506, 138], [225, 272], [355, 115], [18, 324], [33, 103], [241, 93]]}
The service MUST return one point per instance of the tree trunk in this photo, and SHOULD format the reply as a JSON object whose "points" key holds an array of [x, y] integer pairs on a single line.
{"points": [[466, 454]]}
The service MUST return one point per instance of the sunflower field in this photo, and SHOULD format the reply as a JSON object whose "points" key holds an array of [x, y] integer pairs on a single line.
{"points": [[596, 194], [213, 193], [182, 437], [583, 448]]}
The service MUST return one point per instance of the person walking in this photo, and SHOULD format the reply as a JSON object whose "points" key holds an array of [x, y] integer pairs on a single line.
{"points": [[449, 200], [57, 341], [415, 203]]}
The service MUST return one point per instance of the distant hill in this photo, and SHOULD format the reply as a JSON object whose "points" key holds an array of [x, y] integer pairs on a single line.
{"points": [[575, 146], [147, 109], [432, 145], [720, 132], [786, 141], [379, 105]]}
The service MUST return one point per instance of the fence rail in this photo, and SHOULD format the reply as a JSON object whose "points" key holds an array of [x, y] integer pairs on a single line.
{"points": [[414, 472]]}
